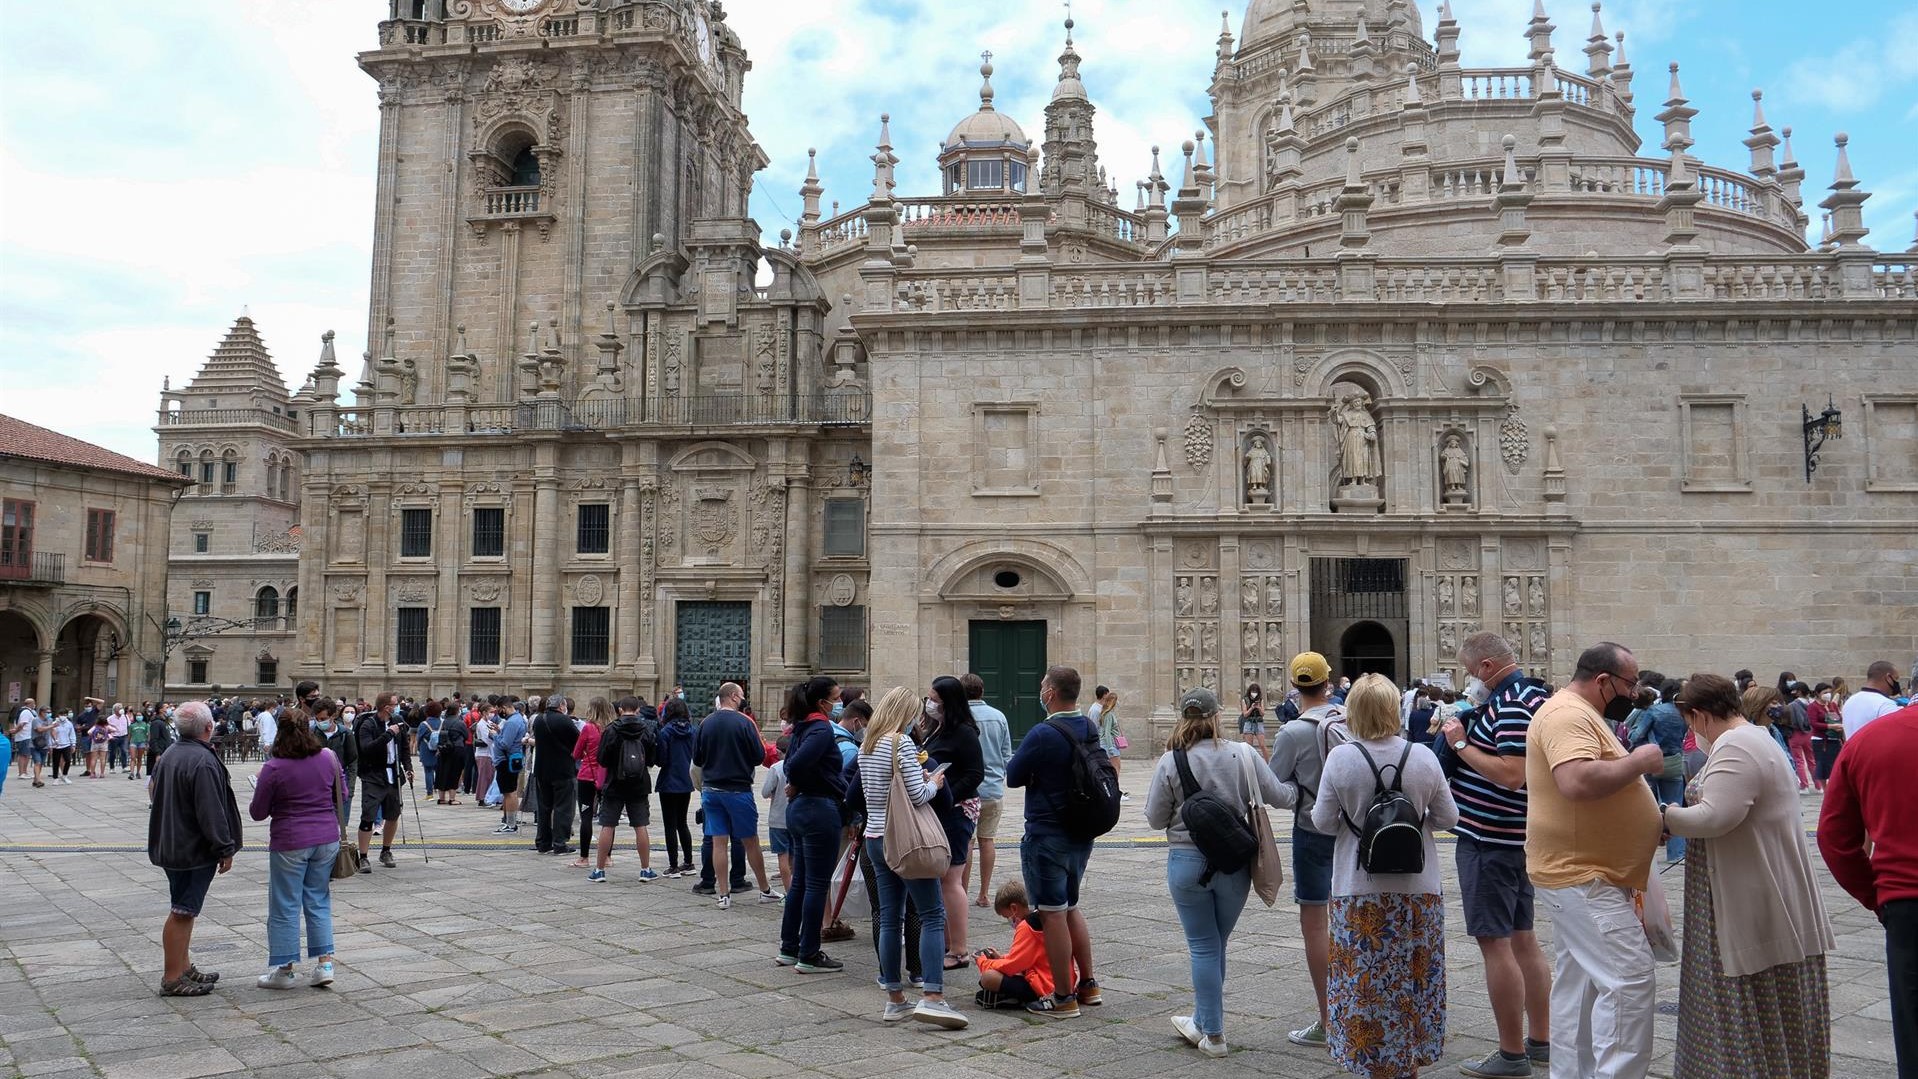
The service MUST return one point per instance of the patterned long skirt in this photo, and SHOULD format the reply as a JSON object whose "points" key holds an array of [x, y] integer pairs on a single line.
{"points": [[1775, 1024], [1385, 992]]}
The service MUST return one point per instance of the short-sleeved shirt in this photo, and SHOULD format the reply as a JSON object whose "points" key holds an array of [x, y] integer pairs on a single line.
{"points": [[1488, 812], [1569, 843]]}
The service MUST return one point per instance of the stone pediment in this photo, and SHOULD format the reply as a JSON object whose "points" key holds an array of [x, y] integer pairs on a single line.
{"points": [[712, 457]]}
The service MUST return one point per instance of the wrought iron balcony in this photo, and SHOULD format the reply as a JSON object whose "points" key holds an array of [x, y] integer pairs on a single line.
{"points": [[43, 569]]}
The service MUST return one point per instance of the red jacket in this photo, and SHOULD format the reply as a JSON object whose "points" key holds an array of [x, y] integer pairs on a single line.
{"points": [[586, 752], [1871, 794]]}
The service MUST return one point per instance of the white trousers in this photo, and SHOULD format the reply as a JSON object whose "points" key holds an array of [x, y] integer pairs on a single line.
{"points": [[1604, 989]]}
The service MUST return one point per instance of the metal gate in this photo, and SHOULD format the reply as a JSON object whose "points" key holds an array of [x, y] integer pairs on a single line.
{"points": [[713, 643]]}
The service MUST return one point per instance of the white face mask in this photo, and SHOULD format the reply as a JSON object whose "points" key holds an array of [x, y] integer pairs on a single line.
{"points": [[1476, 692]]}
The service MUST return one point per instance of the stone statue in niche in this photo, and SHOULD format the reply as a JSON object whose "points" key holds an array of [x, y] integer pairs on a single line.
{"points": [[409, 382], [1537, 596], [1183, 642], [1468, 596], [1448, 640], [1208, 595], [1209, 642], [1513, 605], [1356, 431], [1258, 472], [1182, 597], [1249, 639], [1538, 642], [1445, 595], [1249, 597], [1274, 596], [1455, 470]]}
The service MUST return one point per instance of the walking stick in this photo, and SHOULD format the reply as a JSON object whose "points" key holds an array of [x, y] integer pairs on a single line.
{"points": [[418, 824]]}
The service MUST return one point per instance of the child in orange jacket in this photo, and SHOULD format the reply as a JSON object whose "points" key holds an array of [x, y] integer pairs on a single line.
{"points": [[1023, 974]]}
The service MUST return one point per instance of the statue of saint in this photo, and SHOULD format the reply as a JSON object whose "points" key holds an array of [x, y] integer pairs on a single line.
{"points": [[1258, 465], [1182, 644], [1182, 597], [1358, 440], [1455, 467], [1249, 640], [1209, 642], [1468, 596], [1536, 593], [1513, 606], [409, 382], [1445, 595]]}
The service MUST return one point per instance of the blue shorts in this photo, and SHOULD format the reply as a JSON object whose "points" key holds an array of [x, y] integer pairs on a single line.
{"points": [[1311, 868], [186, 889], [732, 813], [1053, 866], [782, 841]]}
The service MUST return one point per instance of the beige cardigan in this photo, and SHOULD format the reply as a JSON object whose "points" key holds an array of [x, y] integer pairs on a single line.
{"points": [[1764, 899]]}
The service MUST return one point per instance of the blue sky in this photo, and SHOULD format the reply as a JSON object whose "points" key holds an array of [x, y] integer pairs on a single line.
{"points": [[175, 163]]}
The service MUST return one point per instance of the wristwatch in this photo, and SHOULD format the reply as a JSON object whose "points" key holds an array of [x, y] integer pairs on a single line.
{"points": [[1458, 746]]}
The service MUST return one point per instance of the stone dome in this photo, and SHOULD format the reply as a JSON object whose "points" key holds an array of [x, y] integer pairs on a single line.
{"points": [[988, 126], [1266, 20]]}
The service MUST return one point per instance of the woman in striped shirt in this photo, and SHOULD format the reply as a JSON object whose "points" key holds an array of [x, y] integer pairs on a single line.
{"points": [[886, 747]]}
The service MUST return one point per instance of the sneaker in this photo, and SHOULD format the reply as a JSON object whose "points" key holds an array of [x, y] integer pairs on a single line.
{"points": [[1088, 994], [772, 895], [560, 850], [897, 1012], [918, 981], [279, 978], [1214, 1046], [1054, 1007], [785, 959], [597, 876], [66, 780], [366, 864], [705, 889], [1187, 1029], [820, 963], [940, 1014], [647, 874], [1312, 1037], [322, 974], [504, 829], [1496, 1065], [726, 902], [1539, 1052], [386, 859]]}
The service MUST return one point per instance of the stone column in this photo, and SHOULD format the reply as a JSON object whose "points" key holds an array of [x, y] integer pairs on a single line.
{"points": [[545, 599], [798, 591], [43, 678], [379, 554], [448, 610], [626, 635], [1231, 652]]}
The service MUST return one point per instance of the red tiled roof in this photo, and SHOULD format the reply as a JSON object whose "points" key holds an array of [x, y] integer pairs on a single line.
{"points": [[18, 438]]}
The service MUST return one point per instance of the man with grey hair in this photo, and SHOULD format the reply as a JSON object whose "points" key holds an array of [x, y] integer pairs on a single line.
{"points": [[1486, 746], [193, 832]]}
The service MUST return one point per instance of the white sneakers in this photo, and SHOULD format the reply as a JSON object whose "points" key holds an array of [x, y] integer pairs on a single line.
{"points": [[279, 978], [938, 1013], [1210, 1045], [322, 973]]}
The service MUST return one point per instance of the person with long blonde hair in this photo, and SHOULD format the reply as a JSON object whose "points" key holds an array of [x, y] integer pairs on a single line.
{"points": [[887, 747], [1209, 901]]}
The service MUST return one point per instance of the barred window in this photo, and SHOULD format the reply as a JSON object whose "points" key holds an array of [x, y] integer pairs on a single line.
{"points": [[489, 532], [595, 527], [268, 672], [196, 672], [845, 528], [202, 542], [592, 636], [482, 638], [416, 533], [842, 638], [410, 648]]}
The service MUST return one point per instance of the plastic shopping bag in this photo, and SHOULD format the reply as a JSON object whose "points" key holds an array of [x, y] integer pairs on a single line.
{"points": [[848, 888], [1655, 914]]}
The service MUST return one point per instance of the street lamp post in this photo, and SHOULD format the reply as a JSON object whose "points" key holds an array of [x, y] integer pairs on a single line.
{"points": [[1818, 429]]}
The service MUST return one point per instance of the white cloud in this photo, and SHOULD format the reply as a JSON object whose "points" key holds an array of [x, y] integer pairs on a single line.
{"points": [[1862, 72]]}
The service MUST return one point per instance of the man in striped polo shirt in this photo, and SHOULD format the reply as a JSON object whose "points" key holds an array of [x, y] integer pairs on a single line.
{"points": [[1488, 782]]}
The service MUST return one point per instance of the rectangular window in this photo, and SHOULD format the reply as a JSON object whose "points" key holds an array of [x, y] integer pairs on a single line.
{"points": [[482, 637], [416, 533], [592, 636], [988, 175], [268, 673], [842, 638], [202, 542], [196, 672], [845, 528], [16, 535], [206, 471], [595, 527], [231, 474], [489, 532], [410, 646], [202, 603], [99, 536], [186, 469]]}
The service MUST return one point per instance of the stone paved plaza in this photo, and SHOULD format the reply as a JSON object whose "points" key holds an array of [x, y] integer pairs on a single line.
{"points": [[494, 961]]}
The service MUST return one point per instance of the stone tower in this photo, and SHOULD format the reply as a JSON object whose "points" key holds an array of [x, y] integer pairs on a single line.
{"points": [[233, 552], [580, 450]]}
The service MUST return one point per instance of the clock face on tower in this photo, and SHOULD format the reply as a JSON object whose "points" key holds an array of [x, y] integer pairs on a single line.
{"points": [[703, 30]]}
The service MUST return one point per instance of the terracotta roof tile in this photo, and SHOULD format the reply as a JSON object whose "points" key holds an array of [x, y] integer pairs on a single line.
{"points": [[18, 438]]}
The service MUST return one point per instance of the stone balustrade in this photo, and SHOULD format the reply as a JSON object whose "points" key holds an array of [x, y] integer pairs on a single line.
{"points": [[223, 417], [512, 201], [935, 217], [1895, 278], [837, 407]]}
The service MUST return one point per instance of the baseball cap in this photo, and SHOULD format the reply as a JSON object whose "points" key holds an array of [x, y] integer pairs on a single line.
{"points": [[1200, 702], [1309, 669]]}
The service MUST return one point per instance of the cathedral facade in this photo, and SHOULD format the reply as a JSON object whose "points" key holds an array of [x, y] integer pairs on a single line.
{"points": [[1391, 351]]}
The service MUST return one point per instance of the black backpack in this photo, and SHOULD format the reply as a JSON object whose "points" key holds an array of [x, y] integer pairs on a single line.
{"points": [[630, 765], [1392, 837], [1219, 830], [1091, 807]]}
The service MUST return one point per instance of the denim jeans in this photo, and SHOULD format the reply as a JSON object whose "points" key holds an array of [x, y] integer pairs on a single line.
{"points": [[814, 824], [1670, 792], [299, 881], [1207, 912], [893, 890]]}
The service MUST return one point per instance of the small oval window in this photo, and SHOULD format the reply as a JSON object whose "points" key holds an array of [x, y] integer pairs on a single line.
{"points": [[1006, 578]]}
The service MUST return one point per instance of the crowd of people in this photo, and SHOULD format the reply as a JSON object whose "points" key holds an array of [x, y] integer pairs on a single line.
{"points": [[1558, 799]]}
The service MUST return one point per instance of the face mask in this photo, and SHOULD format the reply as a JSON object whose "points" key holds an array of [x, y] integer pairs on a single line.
{"points": [[1774, 712], [1826, 697], [1475, 691], [1896, 689], [935, 711], [1619, 709], [838, 709], [349, 716]]}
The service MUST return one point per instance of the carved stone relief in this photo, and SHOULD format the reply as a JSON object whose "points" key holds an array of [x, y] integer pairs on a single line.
{"points": [[1198, 441], [1455, 469], [1514, 441], [589, 590]]}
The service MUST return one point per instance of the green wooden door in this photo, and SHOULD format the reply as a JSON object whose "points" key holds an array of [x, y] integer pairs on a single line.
{"points": [[1011, 657], [713, 645]]}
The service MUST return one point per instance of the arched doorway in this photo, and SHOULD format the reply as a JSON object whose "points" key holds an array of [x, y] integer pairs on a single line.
{"points": [[19, 659], [1368, 648], [85, 661]]}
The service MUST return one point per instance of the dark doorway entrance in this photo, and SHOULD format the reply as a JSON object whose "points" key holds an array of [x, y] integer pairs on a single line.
{"points": [[1368, 648], [1011, 658], [713, 644]]}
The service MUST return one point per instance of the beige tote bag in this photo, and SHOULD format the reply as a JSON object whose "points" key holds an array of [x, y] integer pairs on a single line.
{"points": [[916, 846]]}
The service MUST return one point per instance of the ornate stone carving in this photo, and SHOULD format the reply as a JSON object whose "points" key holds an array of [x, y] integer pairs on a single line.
{"points": [[413, 590], [842, 590], [1182, 598], [668, 518], [715, 520], [1208, 642], [287, 542], [1258, 555], [1198, 441], [1468, 597], [1274, 596], [201, 526], [485, 591], [1535, 596], [1457, 554], [1208, 596], [1258, 471], [347, 594], [1514, 605], [1455, 470], [1446, 597], [1249, 597], [669, 380], [1357, 432], [1448, 640], [589, 590], [1514, 442], [1541, 652], [478, 492], [1184, 642], [1249, 641]]}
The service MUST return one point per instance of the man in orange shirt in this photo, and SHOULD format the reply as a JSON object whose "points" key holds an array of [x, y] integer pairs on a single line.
{"points": [[1592, 827]]}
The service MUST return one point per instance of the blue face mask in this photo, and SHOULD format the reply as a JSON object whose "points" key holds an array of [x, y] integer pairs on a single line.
{"points": [[838, 709]]}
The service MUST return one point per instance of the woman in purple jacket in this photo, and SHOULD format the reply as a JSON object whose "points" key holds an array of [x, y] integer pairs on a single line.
{"points": [[298, 788]]}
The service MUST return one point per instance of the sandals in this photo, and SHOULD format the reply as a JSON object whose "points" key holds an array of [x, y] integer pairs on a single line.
{"points": [[195, 974], [185, 986], [955, 961]]}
